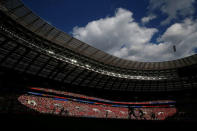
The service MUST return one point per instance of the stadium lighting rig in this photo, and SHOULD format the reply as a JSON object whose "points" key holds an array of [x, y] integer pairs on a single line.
{"points": [[51, 52], [79, 63], [74, 61]]}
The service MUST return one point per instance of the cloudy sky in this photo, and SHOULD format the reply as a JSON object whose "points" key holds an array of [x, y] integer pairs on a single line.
{"points": [[142, 30]]}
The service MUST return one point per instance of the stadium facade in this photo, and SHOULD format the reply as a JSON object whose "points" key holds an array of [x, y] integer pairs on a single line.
{"points": [[34, 53]]}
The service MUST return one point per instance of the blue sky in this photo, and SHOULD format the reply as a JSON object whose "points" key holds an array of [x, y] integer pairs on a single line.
{"points": [[66, 14], [143, 30]]}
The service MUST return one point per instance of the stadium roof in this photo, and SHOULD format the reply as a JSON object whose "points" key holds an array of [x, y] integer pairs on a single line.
{"points": [[24, 16]]}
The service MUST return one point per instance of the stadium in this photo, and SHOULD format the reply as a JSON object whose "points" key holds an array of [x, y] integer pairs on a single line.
{"points": [[45, 72]]}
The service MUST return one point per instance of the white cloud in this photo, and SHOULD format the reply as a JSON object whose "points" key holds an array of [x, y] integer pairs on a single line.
{"points": [[173, 8], [147, 19], [110, 33], [183, 35]]}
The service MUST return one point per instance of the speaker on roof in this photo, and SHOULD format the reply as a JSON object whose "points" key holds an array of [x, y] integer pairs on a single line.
{"points": [[174, 48]]}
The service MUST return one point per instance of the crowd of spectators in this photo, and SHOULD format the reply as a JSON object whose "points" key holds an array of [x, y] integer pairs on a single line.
{"points": [[76, 109], [10, 105], [94, 98], [151, 113], [68, 93], [70, 108]]}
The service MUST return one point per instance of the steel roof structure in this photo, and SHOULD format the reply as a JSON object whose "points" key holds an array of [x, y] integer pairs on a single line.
{"points": [[31, 45], [24, 16]]}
